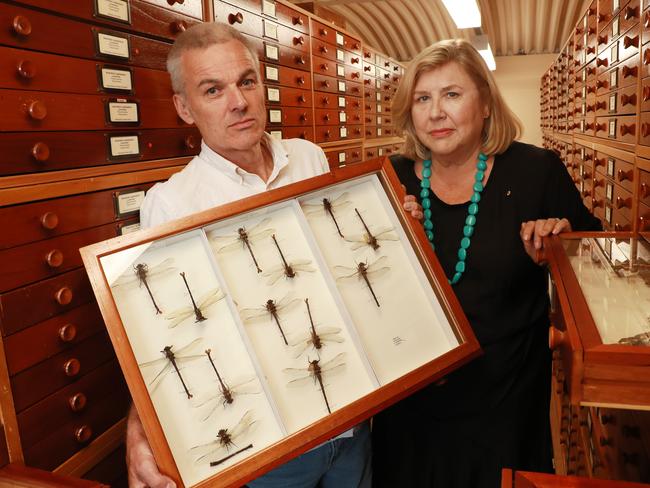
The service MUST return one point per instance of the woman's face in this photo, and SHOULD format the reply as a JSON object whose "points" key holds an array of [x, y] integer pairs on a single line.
{"points": [[447, 111]]}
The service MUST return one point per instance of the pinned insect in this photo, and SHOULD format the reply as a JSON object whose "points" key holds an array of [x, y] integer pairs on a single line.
{"points": [[244, 238], [289, 270], [172, 360], [270, 308], [314, 371], [642, 339], [368, 238], [142, 273], [226, 441], [365, 272], [313, 337], [328, 207], [179, 316]]}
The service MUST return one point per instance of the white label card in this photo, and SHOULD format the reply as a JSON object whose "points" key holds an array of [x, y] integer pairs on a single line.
{"points": [[612, 102], [340, 55], [609, 192], [341, 157], [339, 39], [608, 215], [343, 132], [113, 45], [273, 94], [378, 96], [615, 5], [128, 229], [380, 151], [275, 116], [277, 134], [379, 108], [270, 29], [340, 70], [379, 131], [114, 9], [271, 73], [614, 53], [341, 86], [610, 167], [615, 27], [268, 8], [613, 78], [342, 102], [272, 52], [584, 92], [379, 120], [612, 128], [129, 202], [124, 146], [123, 112], [116, 79], [342, 117]]}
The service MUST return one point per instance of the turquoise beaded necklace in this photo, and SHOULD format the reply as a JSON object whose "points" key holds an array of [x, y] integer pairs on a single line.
{"points": [[472, 210]]}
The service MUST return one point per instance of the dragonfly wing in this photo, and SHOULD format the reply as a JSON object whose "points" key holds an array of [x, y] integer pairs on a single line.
{"points": [[335, 362], [299, 338], [253, 314], [155, 381], [246, 387], [211, 297], [378, 273], [303, 265], [178, 316], [273, 274], [128, 279], [306, 378], [187, 347], [341, 201], [313, 208], [260, 235], [243, 426], [349, 276], [287, 303], [163, 268]]}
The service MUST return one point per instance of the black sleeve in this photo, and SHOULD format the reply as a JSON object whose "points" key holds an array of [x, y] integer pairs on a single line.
{"points": [[563, 200]]}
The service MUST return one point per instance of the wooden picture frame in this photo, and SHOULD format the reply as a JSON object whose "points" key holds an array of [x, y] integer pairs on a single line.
{"points": [[380, 366]]}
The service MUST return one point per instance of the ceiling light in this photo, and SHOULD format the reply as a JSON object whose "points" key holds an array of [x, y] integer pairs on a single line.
{"points": [[465, 13], [482, 45]]}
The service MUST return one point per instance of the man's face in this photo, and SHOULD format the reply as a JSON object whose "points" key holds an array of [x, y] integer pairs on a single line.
{"points": [[223, 97]]}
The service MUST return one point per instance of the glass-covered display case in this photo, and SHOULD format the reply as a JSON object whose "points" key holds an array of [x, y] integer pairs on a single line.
{"points": [[601, 316], [251, 332]]}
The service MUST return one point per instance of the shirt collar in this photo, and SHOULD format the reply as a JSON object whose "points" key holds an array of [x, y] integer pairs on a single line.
{"points": [[234, 172]]}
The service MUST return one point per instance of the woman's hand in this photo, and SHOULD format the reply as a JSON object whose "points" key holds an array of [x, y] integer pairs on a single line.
{"points": [[532, 232], [142, 468], [412, 206]]}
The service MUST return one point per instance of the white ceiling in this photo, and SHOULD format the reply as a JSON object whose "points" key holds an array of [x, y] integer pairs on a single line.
{"points": [[401, 28]]}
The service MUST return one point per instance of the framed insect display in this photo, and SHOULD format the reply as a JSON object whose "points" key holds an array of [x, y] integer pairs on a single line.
{"points": [[252, 332]]}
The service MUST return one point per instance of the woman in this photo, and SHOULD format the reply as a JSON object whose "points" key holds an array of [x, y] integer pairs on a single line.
{"points": [[487, 203]]}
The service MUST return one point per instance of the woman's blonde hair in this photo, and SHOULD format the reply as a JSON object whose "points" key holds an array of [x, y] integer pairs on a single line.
{"points": [[501, 126]]}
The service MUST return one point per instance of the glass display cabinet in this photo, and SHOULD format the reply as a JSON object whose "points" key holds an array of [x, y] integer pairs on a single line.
{"points": [[252, 332]]}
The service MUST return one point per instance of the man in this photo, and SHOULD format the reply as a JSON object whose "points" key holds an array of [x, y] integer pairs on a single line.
{"points": [[216, 81]]}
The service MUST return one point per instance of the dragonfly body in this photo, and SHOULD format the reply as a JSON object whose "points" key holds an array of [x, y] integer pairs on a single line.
{"points": [[245, 238], [365, 272], [314, 338], [142, 273], [197, 311], [141, 270], [225, 440], [272, 308], [287, 269], [315, 370], [330, 207], [179, 316]]}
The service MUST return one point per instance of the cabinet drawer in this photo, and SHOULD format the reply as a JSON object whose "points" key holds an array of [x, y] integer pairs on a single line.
{"points": [[34, 384], [273, 52], [43, 259], [323, 32], [332, 68], [623, 101], [29, 29], [292, 132], [623, 202], [73, 403], [32, 152], [41, 341], [326, 100], [644, 187], [644, 218], [289, 116], [281, 75], [288, 97], [345, 156], [337, 117], [18, 308], [629, 15], [27, 70], [36, 111], [43, 220], [622, 128], [111, 470], [193, 8], [139, 16], [645, 129], [273, 10], [326, 134]]}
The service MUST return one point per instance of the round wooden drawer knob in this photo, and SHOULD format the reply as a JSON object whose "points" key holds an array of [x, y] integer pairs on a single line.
{"points": [[40, 151], [63, 296], [26, 69], [37, 110], [72, 367], [49, 220], [172, 2], [54, 258], [77, 402], [67, 332], [22, 26], [555, 338], [178, 26], [83, 434]]}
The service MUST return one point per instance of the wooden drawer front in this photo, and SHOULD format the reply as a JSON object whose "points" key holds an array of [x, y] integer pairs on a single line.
{"points": [[43, 32], [323, 32], [272, 52], [239, 18], [368, 70], [622, 172], [328, 67], [31, 152], [35, 111], [645, 94], [34, 384], [353, 61], [625, 74], [18, 309], [284, 76], [68, 439], [43, 220], [27, 70], [326, 134], [622, 202], [370, 131], [327, 50], [293, 132], [342, 157], [354, 116], [330, 117], [645, 27], [288, 97], [72, 403], [371, 95], [111, 470], [39, 260], [289, 116], [370, 153], [623, 101], [144, 17], [622, 128], [41, 341], [275, 11], [644, 218], [630, 15], [329, 84], [645, 129], [644, 187], [628, 45], [370, 108], [193, 8]]}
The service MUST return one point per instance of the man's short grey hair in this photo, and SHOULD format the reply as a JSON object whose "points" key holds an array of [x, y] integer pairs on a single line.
{"points": [[202, 36]]}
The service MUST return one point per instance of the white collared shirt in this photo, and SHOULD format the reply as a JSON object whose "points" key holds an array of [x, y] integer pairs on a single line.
{"points": [[210, 180]]}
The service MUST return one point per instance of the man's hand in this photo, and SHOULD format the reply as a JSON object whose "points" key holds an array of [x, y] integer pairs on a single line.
{"points": [[143, 471], [411, 205], [532, 232]]}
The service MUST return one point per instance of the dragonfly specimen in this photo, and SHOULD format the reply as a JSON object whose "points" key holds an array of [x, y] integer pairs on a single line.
{"points": [[289, 270], [313, 337], [369, 238], [178, 316], [273, 309], [244, 238], [226, 441], [642, 339], [142, 273], [365, 272], [226, 394], [315, 371], [171, 360], [328, 207]]}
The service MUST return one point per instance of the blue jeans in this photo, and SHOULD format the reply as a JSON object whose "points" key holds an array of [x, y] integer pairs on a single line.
{"points": [[339, 463]]}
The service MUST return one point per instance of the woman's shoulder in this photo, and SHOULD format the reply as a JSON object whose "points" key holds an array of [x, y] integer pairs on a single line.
{"points": [[529, 158]]}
